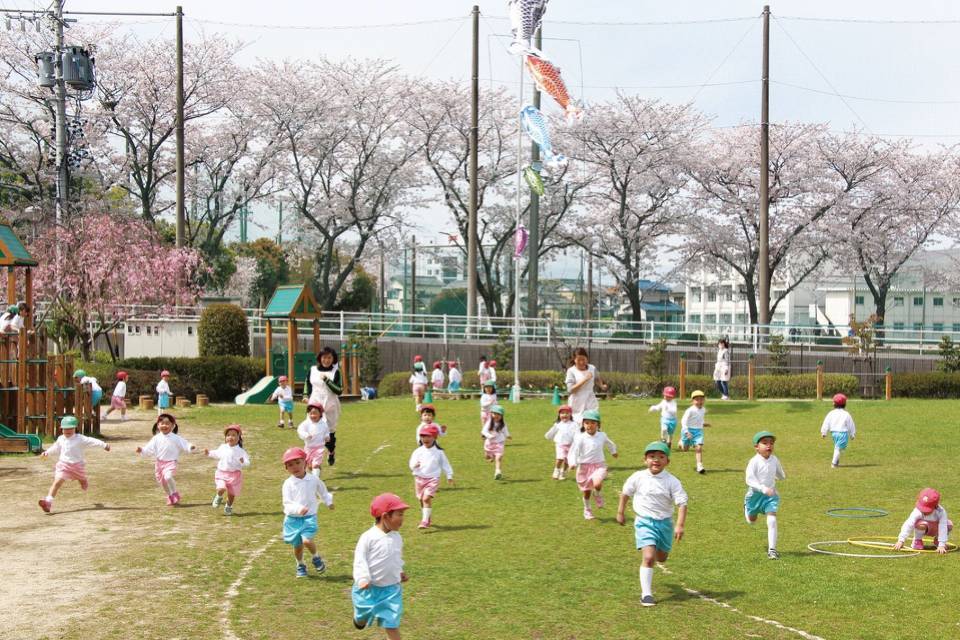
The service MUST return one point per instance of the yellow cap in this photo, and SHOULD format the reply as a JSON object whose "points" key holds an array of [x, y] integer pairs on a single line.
{"points": [[697, 394]]}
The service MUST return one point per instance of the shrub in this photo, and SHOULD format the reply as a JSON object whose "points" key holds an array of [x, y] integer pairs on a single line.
{"points": [[223, 331], [778, 355], [926, 385], [220, 378], [655, 361], [949, 352]]}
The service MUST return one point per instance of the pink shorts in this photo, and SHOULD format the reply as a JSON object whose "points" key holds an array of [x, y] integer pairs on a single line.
{"points": [[71, 471], [438, 385], [492, 448], [116, 402], [590, 474], [232, 481], [931, 526], [419, 389], [315, 457], [563, 450], [426, 487], [164, 469]]}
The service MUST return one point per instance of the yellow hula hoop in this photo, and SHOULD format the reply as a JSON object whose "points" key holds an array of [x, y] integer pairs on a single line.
{"points": [[887, 542]]}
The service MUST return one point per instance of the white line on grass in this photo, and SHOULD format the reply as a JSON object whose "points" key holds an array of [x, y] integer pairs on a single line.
{"points": [[234, 590], [729, 607]]}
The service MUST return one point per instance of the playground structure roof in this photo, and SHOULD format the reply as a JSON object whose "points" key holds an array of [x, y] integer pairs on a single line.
{"points": [[292, 301], [12, 251]]}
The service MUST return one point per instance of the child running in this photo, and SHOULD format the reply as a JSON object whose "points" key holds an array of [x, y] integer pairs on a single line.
{"points": [[668, 415], [80, 377], [655, 491], [428, 414], [483, 371], [928, 518], [487, 399], [426, 463], [377, 593], [492, 372], [839, 423], [231, 460], [300, 492], [456, 379], [586, 454], [71, 465], [118, 399], [164, 395], [763, 471], [283, 394], [418, 381], [495, 434], [691, 427], [436, 378], [315, 434], [166, 446], [563, 432]]}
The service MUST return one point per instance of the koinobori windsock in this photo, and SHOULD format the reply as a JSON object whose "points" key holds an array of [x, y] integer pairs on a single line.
{"points": [[547, 77], [532, 176], [535, 125], [520, 237], [525, 19]]}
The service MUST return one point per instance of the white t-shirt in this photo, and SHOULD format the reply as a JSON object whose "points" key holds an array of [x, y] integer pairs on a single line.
{"points": [[229, 458], [667, 408], [455, 375], [432, 461], [313, 434], [166, 447], [303, 492], [378, 558], [583, 398], [437, 376], [840, 421], [71, 449], [163, 387], [94, 385], [589, 449], [654, 495], [492, 435], [763, 473], [120, 391], [282, 393], [487, 400], [563, 432], [418, 377], [938, 515], [693, 418]]}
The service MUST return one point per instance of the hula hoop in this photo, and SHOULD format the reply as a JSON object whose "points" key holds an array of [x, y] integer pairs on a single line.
{"points": [[883, 542], [859, 512], [813, 547]]}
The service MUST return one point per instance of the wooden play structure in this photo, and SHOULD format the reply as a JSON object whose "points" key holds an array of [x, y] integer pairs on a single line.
{"points": [[36, 389]]}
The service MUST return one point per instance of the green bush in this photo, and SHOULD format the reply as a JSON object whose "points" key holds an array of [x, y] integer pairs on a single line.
{"points": [[223, 331], [926, 385], [220, 378]]}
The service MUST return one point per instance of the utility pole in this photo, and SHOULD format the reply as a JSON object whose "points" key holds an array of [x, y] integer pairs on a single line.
{"points": [[280, 228], [533, 246], [474, 134], [413, 277], [60, 97], [764, 233], [181, 211], [383, 284]]}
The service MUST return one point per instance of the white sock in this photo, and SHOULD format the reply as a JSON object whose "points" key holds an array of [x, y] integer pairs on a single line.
{"points": [[836, 456], [426, 512], [771, 531], [646, 581], [586, 503], [171, 486], [49, 498]]}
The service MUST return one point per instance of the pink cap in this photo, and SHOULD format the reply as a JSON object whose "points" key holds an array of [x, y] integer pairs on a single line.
{"points": [[669, 392], [492, 363], [437, 364], [233, 427], [840, 400], [429, 430], [418, 358], [164, 373], [565, 408], [121, 375], [282, 379], [293, 453], [314, 405], [928, 501], [452, 363], [386, 502]]}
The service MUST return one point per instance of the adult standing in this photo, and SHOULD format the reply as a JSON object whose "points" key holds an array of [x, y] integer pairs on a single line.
{"points": [[721, 370], [326, 385], [580, 380]]}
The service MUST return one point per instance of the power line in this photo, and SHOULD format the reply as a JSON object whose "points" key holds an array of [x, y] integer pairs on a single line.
{"points": [[644, 23], [340, 27], [862, 98], [643, 86], [869, 21]]}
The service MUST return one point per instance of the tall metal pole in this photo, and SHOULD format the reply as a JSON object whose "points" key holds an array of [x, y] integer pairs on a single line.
{"points": [[764, 234], [383, 284], [515, 393], [280, 227], [533, 263], [181, 211], [413, 278], [472, 210], [60, 96]]}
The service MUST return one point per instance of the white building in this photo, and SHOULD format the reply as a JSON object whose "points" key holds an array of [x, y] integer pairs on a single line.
{"points": [[166, 337]]}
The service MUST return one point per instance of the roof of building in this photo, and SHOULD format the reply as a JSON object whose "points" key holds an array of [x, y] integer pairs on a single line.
{"points": [[12, 251], [292, 301], [668, 307], [651, 285]]}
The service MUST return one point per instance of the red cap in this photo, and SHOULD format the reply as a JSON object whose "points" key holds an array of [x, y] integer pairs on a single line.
{"points": [[840, 400], [121, 375], [928, 501], [428, 407], [429, 430], [386, 502], [418, 358], [164, 373], [669, 392], [293, 453], [452, 363], [492, 363], [313, 405], [437, 364], [565, 407], [282, 379], [233, 427]]}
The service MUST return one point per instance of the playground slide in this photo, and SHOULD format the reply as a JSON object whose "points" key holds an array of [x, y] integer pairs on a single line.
{"points": [[258, 393], [34, 443]]}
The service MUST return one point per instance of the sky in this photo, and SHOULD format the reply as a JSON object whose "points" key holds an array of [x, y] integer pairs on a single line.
{"points": [[893, 63]]}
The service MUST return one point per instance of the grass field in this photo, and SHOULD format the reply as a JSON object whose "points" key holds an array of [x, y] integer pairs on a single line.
{"points": [[508, 559]]}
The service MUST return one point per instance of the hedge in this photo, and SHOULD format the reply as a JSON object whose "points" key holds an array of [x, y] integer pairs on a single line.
{"points": [[926, 385]]}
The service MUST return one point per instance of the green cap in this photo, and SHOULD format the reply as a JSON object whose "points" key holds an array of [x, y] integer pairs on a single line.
{"points": [[591, 414], [13, 309], [69, 422], [79, 373], [657, 446], [760, 435], [497, 409]]}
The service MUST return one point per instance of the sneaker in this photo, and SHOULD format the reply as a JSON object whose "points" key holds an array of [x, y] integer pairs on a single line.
{"points": [[772, 554], [280, 426], [562, 476], [917, 544], [301, 571], [45, 504], [598, 499], [701, 470], [170, 501], [556, 474], [332, 459], [497, 476], [319, 564], [359, 624], [176, 497], [648, 601], [724, 397], [834, 464], [228, 510], [217, 501], [424, 524], [587, 513]]}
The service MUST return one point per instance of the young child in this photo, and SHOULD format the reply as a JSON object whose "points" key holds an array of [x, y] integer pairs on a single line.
{"points": [[487, 399], [231, 459], [840, 425], [928, 518], [315, 434], [118, 399], [563, 431], [456, 379], [300, 492], [492, 371], [166, 446], [668, 415], [428, 414], [586, 454], [426, 463], [483, 371], [377, 593], [495, 433], [655, 491], [283, 394], [691, 427], [763, 471], [418, 381], [436, 378], [71, 465], [164, 395], [96, 391]]}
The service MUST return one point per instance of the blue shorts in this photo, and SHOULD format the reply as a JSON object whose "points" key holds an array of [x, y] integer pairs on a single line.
{"points": [[163, 401], [297, 529], [453, 387], [652, 532], [383, 605], [286, 406], [96, 396], [840, 439], [696, 437], [755, 503], [668, 424]]}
